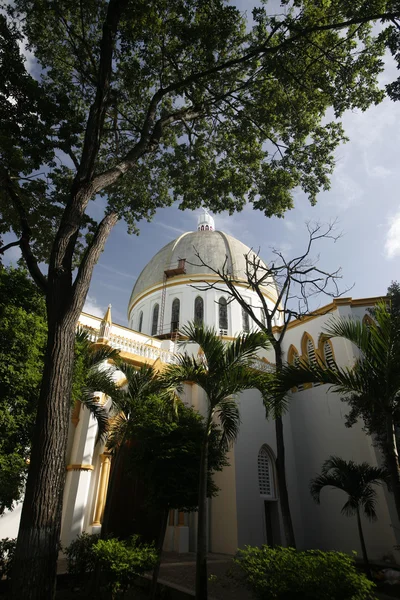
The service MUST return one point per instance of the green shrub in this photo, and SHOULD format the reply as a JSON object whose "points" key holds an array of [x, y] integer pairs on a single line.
{"points": [[286, 574], [80, 557], [122, 561], [7, 549]]}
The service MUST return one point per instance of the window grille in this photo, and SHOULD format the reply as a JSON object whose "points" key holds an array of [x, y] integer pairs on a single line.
{"points": [[296, 362], [245, 321], [175, 315], [312, 359], [264, 473], [328, 355], [198, 310], [223, 315], [154, 322]]}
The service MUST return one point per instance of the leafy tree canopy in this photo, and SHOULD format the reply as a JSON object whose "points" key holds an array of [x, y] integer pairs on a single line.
{"points": [[166, 454], [151, 102], [22, 342]]}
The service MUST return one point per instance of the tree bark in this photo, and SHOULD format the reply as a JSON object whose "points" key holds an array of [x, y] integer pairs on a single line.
{"points": [[201, 557], [34, 569], [160, 542], [363, 546], [281, 467], [392, 461], [35, 561]]}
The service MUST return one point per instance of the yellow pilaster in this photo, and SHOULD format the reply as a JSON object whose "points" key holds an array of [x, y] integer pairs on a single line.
{"points": [[102, 491]]}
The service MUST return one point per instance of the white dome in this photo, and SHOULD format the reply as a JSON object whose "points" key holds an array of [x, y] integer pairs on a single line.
{"points": [[214, 247]]}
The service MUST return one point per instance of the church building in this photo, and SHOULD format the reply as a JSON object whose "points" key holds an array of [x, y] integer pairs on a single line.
{"points": [[166, 295]]}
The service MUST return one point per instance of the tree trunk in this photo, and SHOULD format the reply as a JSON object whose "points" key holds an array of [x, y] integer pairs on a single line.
{"points": [[392, 461], [201, 557], [281, 467], [363, 546], [34, 569], [35, 562], [160, 542], [283, 493]]}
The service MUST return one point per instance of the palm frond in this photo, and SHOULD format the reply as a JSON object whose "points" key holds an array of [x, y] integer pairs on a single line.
{"points": [[244, 349], [227, 412], [369, 500], [349, 508], [98, 411], [209, 341]]}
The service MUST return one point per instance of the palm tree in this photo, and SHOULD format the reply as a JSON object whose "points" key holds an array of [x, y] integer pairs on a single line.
{"points": [[356, 480], [94, 370], [222, 371], [371, 387], [141, 386]]}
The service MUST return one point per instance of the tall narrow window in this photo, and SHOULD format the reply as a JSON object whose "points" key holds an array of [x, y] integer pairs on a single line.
{"points": [[265, 473], [154, 323], [312, 359], [296, 363], [223, 316], [263, 320], [328, 355], [175, 315], [198, 310], [311, 353], [245, 321], [140, 322]]}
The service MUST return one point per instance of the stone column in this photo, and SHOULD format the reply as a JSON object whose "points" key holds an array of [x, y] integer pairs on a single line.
{"points": [[102, 489]]}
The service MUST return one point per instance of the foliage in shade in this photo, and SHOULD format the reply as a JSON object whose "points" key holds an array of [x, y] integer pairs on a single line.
{"points": [[22, 342], [122, 561], [79, 553], [356, 480], [7, 549], [166, 455], [285, 573]]}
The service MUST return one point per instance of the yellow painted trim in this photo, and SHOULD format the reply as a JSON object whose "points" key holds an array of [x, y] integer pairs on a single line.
{"points": [[323, 339], [304, 339], [193, 279], [331, 307], [81, 467], [105, 464], [291, 353]]}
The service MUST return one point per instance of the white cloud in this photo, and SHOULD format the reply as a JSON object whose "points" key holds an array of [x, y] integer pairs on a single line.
{"points": [[290, 225], [380, 171], [12, 255], [392, 244], [93, 308]]}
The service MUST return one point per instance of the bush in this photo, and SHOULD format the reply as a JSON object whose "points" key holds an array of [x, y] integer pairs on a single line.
{"points": [[7, 549], [80, 556], [121, 562], [286, 574]]}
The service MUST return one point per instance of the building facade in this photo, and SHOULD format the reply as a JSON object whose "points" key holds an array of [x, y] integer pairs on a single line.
{"points": [[169, 293]]}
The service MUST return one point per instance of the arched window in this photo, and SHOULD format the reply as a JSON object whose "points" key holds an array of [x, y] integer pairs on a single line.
{"points": [[175, 315], [206, 228], [263, 320], [367, 321], [198, 310], [223, 316], [140, 322], [154, 322], [311, 353], [294, 359], [245, 321], [328, 354], [266, 484], [312, 358]]}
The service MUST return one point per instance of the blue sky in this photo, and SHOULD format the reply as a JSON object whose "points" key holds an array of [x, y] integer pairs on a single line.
{"points": [[364, 197]]}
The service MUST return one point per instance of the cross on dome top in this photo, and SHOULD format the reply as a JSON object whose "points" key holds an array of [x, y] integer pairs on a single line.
{"points": [[205, 222]]}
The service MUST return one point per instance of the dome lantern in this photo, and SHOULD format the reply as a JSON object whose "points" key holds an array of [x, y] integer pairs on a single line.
{"points": [[205, 222]]}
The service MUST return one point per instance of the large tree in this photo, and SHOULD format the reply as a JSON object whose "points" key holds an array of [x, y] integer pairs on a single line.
{"points": [[145, 102], [222, 370], [294, 282]]}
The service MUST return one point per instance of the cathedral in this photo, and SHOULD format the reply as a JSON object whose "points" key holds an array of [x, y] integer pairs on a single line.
{"points": [[168, 294]]}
